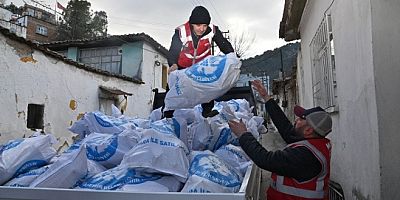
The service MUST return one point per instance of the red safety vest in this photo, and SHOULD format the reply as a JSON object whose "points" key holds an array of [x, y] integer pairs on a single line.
{"points": [[189, 55], [285, 188]]}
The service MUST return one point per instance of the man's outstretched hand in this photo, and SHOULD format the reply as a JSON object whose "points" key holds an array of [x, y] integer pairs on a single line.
{"points": [[257, 85], [237, 127]]}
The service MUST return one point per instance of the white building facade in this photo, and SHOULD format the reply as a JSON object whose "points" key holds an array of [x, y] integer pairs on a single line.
{"points": [[348, 64], [32, 76]]}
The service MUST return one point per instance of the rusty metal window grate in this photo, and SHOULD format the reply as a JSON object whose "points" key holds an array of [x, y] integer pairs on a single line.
{"points": [[335, 191], [323, 65]]}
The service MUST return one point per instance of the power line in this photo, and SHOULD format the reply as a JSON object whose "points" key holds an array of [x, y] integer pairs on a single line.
{"points": [[201, 2], [194, 3], [191, 2], [130, 25], [141, 21], [219, 16]]}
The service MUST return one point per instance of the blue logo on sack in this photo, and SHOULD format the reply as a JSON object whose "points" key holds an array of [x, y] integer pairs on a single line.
{"points": [[11, 144], [234, 104], [210, 167], [138, 179], [233, 151], [223, 138], [29, 165], [110, 143], [208, 70], [104, 121], [165, 127], [115, 178], [73, 147], [35, 172]]}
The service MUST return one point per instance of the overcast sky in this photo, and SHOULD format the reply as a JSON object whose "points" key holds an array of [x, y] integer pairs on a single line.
{"points": [[158, 18]]}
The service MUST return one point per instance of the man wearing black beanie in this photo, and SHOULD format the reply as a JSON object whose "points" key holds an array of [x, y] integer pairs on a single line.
{"points": [[192, 42]]}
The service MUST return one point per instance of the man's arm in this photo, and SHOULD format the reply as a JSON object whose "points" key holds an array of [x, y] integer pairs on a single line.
{"points": [[223, 44], [282, 123], [298, 163], [285, 127], [175, 49]]}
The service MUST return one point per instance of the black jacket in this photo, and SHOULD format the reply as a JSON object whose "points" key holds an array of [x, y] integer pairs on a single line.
{"points": [[298, 163], [176, 44]]}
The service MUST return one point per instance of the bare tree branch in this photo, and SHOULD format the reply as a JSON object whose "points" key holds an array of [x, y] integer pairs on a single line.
{"points": [[242, 42]]}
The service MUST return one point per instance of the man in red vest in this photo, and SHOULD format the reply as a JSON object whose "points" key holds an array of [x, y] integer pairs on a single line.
{"points": [[301, 170], [192, 42]]}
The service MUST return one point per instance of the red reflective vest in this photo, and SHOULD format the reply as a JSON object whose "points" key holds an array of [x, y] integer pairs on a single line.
{"points": [[189, 55], [283, 188]]}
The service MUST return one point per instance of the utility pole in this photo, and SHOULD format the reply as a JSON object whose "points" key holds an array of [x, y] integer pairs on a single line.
{"points": [[284, 102], [225, 34]]}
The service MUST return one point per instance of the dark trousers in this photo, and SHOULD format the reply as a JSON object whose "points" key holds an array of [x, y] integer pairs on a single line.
{"points": [[207, 107]]}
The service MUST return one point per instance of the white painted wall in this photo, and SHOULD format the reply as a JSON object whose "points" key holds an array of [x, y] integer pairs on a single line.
{"points": [[54, 83], [357, 150], [386, 60], [151, 75], [5, 14], [5, 17]]}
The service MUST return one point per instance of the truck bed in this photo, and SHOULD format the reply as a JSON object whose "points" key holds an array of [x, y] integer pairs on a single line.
{"points": [[248, 190]]}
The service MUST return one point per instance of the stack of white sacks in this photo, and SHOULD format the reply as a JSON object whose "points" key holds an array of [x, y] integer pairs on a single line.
{"points": [[186, 153]]}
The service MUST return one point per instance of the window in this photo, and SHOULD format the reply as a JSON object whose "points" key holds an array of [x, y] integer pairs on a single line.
{"points": [[31, 12], [323, 66], [106, 58], [41, 30], [35, 116], [164, 76], [109, 96]]}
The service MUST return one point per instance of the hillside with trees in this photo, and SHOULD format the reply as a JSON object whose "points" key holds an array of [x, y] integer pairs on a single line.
{"points": [[270, 62]]}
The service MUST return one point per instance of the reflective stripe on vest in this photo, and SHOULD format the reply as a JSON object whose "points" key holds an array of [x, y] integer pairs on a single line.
{"points": [[318, 193], [186, 34], [189, 57]]}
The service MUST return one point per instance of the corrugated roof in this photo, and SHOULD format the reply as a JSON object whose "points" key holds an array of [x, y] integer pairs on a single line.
{"points": [[111, 40], [292, 14], [58, 56]]}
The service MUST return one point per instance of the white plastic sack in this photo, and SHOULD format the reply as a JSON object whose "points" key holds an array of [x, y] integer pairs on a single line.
{"points": [[159, 153], [199, 135], [80, 127], [234, 156], [98, 122], [108, 149], [24, 180], [176, 126], [117, 177], [115, 111], [65, 172], [164, 184], [22, 155], [240, 105], [212, 133], [202, 82], [221, 134], [235, 109], [187, 114], [156, 115], [209, 174]]}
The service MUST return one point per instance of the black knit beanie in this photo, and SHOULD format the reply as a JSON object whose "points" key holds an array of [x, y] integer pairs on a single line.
{"points": [[200, 15]]}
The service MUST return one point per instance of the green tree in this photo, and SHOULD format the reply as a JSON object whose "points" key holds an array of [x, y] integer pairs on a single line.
{"points": [[78, 23], [99, 24], [13, 8]]}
